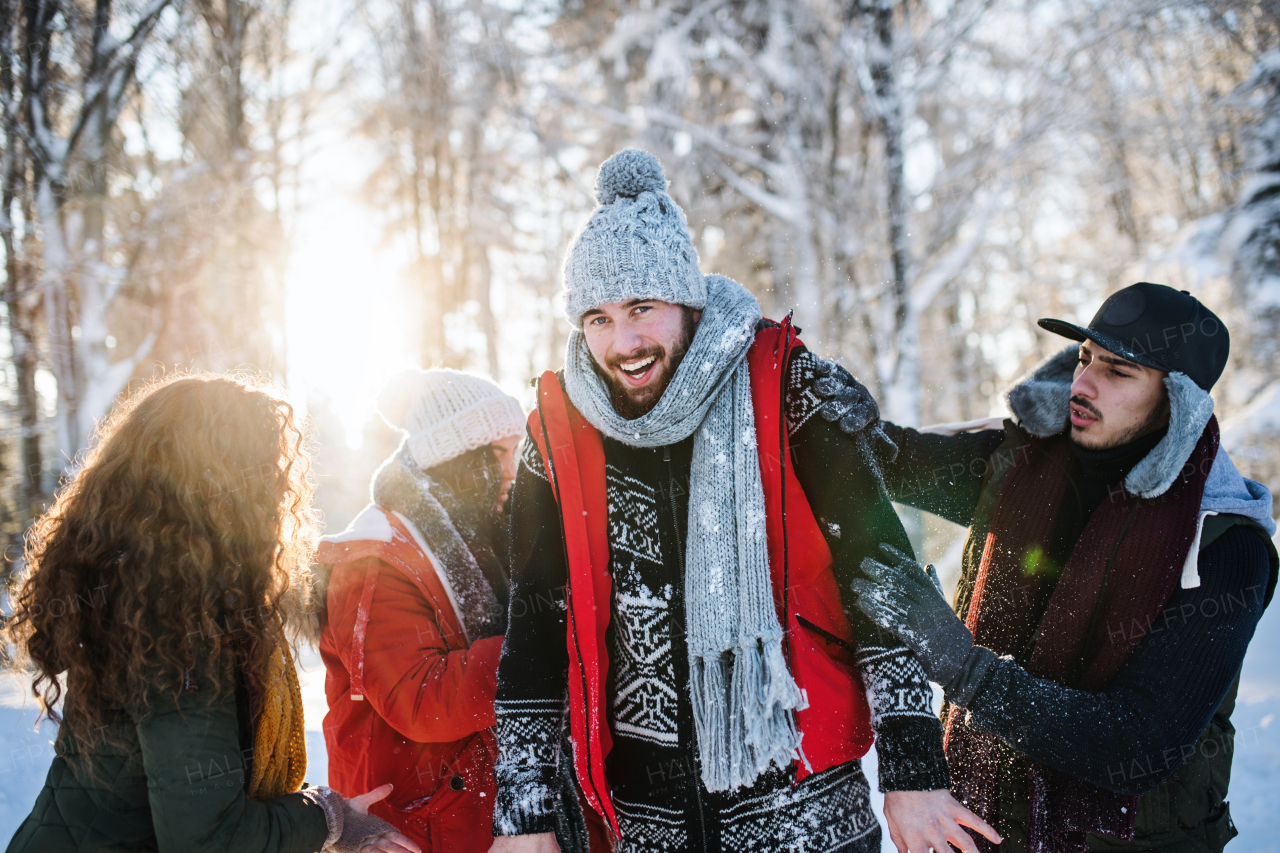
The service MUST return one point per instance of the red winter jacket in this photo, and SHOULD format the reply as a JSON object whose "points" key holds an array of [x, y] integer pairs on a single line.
{"points": [[409, 701], [836, 725]]}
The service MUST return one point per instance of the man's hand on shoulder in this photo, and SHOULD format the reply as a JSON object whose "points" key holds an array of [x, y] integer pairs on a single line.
{"points": [[542, 842], [920, 820], [850, 404]]}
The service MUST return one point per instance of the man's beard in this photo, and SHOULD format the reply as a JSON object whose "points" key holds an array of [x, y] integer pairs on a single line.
{"points": [[1152, 422], [632, 403]]}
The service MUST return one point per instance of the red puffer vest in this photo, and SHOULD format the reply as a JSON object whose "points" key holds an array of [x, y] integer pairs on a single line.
{"points": [[836, 726]]}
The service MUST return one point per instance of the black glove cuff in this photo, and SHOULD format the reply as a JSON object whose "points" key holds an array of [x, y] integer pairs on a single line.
{"points": [[966, 683], [947, 646], [886, 449]]}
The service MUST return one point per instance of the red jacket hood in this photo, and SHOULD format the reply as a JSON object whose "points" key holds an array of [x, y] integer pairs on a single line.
{"points": [[389, 536]]}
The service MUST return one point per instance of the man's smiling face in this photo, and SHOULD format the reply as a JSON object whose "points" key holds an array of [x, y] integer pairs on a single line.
{"points": [[1113, 400], [636, 347]]}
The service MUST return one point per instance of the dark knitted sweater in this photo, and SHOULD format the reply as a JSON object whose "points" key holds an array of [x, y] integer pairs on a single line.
{"points": [[653, 765], [1136, 732]]}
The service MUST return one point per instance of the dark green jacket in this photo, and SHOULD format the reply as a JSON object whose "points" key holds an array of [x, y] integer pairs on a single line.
{"points": [[173, 780]]}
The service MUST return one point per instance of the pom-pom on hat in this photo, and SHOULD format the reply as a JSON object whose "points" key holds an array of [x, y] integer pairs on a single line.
{"points": [[448, 412], [636, 244]]}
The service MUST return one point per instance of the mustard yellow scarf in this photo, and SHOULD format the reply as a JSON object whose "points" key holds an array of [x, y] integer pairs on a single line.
{"points": [[279, 740]]}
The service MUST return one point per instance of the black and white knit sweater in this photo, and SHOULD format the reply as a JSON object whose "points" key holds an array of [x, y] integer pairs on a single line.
{"points": [[653, 766]]}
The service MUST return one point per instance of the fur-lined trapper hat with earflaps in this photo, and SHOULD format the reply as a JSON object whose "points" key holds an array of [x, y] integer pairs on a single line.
{"points": [[1157, 327]]}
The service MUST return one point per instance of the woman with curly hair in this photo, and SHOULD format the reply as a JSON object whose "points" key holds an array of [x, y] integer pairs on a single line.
{"points": [[166, 585]]}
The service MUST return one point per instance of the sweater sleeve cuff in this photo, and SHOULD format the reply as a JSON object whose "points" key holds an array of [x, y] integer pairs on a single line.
{"points": [[528, 753], [910, 756], [526, 804]]}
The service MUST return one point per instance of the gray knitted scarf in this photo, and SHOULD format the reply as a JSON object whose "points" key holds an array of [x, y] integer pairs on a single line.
{"points": [[743, 695], [453, 537]]}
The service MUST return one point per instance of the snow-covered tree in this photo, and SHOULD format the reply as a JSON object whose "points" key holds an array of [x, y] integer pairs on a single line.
{"points": [[450, 79], [75, 69], [147, 148], [246, 95], [1252, 241], [788, 127]]}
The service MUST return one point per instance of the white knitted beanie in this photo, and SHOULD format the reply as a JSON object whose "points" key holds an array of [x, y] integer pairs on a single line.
{"points": [[636, 244], [448, 412]]}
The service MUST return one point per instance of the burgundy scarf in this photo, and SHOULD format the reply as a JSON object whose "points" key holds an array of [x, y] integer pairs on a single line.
{"points": [[1123, 569]]}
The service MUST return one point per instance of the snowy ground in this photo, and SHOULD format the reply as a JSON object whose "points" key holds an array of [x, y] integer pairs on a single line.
{"points": [[25, 753]]}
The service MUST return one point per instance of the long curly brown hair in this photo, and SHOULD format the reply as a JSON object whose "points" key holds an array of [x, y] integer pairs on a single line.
{"points": [[177, 555]]}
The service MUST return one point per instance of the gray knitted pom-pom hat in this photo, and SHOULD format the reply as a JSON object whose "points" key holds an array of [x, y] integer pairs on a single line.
{"points": [[636, 244]]}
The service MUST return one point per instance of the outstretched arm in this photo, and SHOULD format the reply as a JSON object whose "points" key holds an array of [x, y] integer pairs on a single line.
{"points": [[939, 473], [196, 781], [1192, 651]]}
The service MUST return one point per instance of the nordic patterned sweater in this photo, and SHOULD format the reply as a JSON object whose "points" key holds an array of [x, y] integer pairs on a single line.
{"points": [[653, 766]]}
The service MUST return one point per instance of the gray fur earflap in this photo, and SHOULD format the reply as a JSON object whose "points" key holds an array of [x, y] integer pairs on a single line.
{"points": [[1190, 408], [1040, 400]]}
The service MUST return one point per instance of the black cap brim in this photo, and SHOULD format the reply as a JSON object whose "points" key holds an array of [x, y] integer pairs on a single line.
{"points": [[1108, 342]]}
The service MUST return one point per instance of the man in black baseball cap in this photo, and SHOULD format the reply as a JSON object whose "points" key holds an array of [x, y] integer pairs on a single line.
{"points": [[1116, 567]]}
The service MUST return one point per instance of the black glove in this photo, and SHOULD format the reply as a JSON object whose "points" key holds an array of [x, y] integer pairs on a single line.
{"points": [[906, 599], [849, 403]]}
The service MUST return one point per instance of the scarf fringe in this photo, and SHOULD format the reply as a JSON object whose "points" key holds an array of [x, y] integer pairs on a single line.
{"points": [[707, 688], [745, 718]]}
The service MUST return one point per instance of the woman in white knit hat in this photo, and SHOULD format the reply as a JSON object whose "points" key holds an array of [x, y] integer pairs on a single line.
{"points": [[415, 610]]}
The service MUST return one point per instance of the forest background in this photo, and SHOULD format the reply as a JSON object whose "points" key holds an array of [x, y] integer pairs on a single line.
{"points": [[330, 191]]}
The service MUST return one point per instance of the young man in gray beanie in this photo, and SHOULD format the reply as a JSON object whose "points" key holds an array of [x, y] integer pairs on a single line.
{"points": [[682, 670]]}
